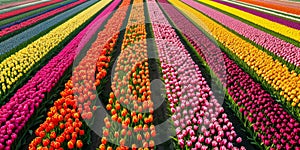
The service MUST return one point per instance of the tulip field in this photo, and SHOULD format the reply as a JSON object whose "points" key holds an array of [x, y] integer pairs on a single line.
{"points": [[149, 74]]}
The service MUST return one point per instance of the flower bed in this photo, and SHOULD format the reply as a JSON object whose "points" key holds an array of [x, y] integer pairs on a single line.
{"points": [[36, 19], [26, 9], [188, 93]]}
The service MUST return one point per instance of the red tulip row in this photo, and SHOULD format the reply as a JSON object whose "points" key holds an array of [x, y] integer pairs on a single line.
{"points": [[34, 20], [26, 9], [131, 122]]}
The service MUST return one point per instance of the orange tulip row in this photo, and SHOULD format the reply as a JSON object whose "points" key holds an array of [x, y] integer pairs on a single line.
{"points": [[63, 126], [131, 122]]}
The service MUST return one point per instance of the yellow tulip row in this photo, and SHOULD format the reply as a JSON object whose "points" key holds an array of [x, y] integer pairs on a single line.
{"points": [[276, 27], [18, 64], [274, 72]]}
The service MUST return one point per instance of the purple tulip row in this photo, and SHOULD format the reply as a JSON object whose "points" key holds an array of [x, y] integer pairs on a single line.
{"points": [[272, 123], [287, 51], [200, 123], [15, 113], [270, 17]]}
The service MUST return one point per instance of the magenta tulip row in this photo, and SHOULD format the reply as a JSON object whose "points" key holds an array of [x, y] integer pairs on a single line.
{"points": [[287, 51], [272, 123], [188, 93], [31, 21], [15, 113]]}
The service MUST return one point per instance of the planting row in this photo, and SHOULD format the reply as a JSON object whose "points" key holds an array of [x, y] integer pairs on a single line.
{"points": [[288, 51], [271, 73], [200, 123], [11, 20], [269, 121], [17, 65], [277, 13], [75, 105], [21, 40], [38, 18], [27, 99], [16, 4], [26, 9], [20, 18], [282, 6], [129, 123], [282, 21], [21, 6], [273, 26]]}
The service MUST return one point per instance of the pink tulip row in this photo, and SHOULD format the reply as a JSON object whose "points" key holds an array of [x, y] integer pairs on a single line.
{"points": [[287, 51], [31, 21], [205, 47], [269, 119], [16, 4], [188, 93], [15, 113], [26, 9]]}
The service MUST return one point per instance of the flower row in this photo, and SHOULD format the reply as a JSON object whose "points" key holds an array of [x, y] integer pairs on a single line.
{"points": [[283, 49], [28, 98], [273, 125], [69, 129], [26, 16], [273, 26], [255, 104], [273, 18], [188, 93], [17, 65], [269, 11], [274, 5], [3, 6], [272, 72], [10, 46], [30, 3], [36, 19], [26, 9], [129, 123]]}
